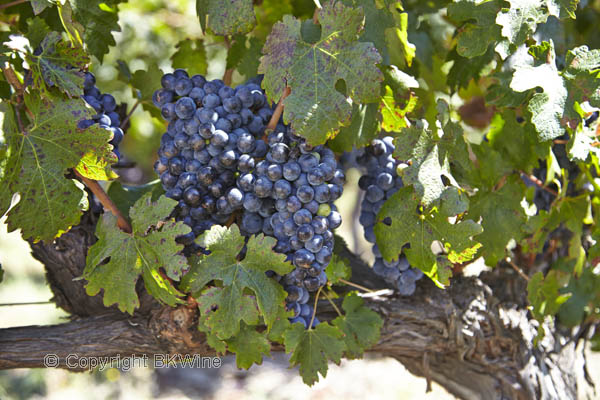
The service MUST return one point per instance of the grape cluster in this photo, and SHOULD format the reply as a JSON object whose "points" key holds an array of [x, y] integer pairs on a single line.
{"points": [[289, 195], [216, 161], [212, 130], [381, 181], [105, 107]]}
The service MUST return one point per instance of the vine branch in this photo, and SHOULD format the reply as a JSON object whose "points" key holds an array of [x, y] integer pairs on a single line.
{"points": [[12, 3], [279, 109], [108, 204]]}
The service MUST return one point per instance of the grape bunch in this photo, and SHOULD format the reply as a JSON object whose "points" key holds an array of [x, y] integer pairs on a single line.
{"points": [[209, 128], [289, 195], [381, 181], [105, 107], [217, 160]]}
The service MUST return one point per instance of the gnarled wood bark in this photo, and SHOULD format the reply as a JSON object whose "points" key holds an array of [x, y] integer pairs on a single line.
{"points": [[475, 338]]}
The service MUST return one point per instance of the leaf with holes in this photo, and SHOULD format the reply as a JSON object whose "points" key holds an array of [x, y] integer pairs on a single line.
{"points": [[315, 108], [554, 108], [116, 261], [38, 159], [237, 276], [411, 223]]}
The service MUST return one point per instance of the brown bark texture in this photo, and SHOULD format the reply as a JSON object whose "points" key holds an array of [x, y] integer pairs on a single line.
{"points": [[475, 338]]}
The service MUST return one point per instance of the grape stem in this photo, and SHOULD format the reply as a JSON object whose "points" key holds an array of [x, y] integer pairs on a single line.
{"points": [[128, 116], [317, 9], [356, 285], [539, 183], [279, 109], [13, 3], [337, 310], [227, 76], [312, 319], [108, 204], [516, 268]]}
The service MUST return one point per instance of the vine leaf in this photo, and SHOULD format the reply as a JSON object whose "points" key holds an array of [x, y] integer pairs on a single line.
{"points": [[100, 19], [245, 59], [150, 247], [422, 229], [361, 326], [58, 64], [430, 156], [228, 17], [393, 113], [40, 5], [38, 159], [479, 30], [190, 55], [315, 108], [312, 348], [37, 29], [520, 20], [544, 296], [387, 29], [554, 108], [503, 218], [237, 275], [145, 82], [217, 305], [337, 269], [363, 128], [249, 346]]}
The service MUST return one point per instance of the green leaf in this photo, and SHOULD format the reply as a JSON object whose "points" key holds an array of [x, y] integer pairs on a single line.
{"points": [[37, 29], [313, 348], [431, 157], [422, 229], [562, 8], [191, 56], [40, 5], [100, 20], [289, 60], [229, 17], [148, 249], [363, 128], [38, 159], [544, 295], [475, 37], [520, 20], [245, 59], [386, 28], [145, 82], [554, 108], [125, 196], [503, 218], [59, 65], [394, 113], [516, 142], [237, 275], [361, 326], [218, 305], [337, 269], [249, 347]]}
